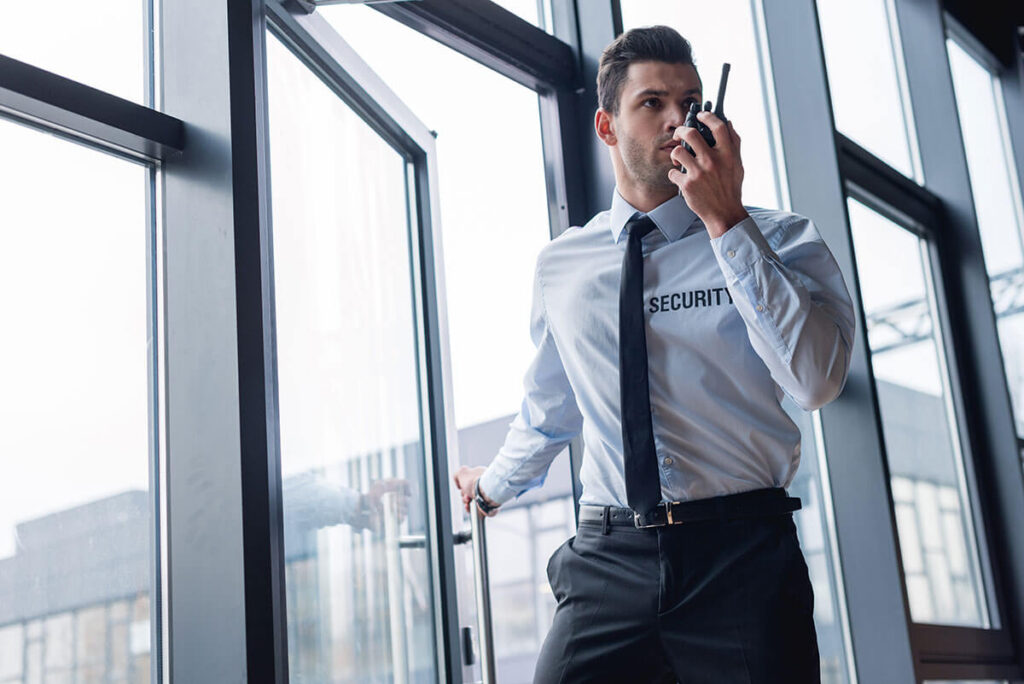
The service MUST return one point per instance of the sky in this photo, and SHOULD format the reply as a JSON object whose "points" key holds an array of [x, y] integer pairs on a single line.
{"points": [[73, 409]]}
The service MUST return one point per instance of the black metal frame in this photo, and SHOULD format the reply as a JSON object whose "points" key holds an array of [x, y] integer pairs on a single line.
{"points": [[262, 517], [493, 36], [58, 104]]}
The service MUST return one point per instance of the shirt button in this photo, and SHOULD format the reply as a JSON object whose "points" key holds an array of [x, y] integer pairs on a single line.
{"points": [[760, 308], [667, 461], [731, 252]]}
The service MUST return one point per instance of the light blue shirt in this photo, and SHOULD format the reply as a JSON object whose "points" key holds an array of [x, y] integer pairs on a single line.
{"points": [[733, 323]]}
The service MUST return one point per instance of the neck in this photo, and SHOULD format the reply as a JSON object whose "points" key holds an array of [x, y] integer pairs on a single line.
{"points": [[646, 198]]}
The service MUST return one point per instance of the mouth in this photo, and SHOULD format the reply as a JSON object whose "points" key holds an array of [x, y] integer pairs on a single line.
{"points": [[670, 146]]}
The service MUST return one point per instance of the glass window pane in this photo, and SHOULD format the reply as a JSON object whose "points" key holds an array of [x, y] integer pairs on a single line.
{"points": [[484, 213], [477, 214], [100, 44], [537, 12], [942, 564], [865, 71], [727, 34], [75, 409], [360, 603], [996, 202]]}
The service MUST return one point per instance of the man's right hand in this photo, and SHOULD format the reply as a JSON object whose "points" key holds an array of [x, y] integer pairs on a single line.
{"points": [[465, 479]]}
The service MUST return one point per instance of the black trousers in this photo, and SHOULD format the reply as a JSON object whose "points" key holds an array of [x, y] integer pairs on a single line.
{"points": [[716, 601]]}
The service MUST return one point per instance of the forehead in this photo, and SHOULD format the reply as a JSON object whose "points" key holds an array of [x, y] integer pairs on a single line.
{"points": [[675, 78]]}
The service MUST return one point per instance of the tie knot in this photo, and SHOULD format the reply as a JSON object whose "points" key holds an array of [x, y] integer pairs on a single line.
{"points": [[639, 227]]}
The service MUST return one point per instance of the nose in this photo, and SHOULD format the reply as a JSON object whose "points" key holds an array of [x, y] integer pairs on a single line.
{"points": [[675, 117]]}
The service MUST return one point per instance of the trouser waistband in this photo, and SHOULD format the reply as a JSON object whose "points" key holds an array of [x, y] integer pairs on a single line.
{"points": [[752, 504]]}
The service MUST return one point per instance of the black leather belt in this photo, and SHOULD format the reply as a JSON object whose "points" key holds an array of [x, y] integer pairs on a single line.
{"points": [[754, 504]]}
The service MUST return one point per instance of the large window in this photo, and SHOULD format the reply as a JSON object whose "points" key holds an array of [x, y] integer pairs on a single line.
{"points": [[867, 81], [997, 202], [944, 565], [76, 412]]}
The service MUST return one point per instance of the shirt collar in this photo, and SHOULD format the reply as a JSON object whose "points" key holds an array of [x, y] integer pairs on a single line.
{"points": [[673, 217]]}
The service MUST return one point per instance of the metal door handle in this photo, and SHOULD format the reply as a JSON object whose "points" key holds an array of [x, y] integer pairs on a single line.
{"points": [[478, 536], [483, 597]]}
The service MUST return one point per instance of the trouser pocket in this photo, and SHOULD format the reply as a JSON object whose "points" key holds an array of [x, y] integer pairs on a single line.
{"points": [[554, 568]]}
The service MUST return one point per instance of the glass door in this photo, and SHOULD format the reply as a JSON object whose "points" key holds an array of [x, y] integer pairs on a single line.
{"points": [[493, 203], [362, 423]]}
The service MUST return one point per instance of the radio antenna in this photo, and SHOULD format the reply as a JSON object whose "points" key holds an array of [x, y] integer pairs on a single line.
{"points": [[719, 108]]}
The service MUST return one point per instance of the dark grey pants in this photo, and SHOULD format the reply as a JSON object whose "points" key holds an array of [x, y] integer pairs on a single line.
{"points": [[719, 601]]}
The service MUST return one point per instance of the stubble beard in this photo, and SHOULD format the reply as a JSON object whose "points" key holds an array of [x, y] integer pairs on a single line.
{"points": [[644, 170]]}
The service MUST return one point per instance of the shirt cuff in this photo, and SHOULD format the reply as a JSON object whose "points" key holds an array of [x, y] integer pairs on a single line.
{"points": [[739, 248], [493, 488]]}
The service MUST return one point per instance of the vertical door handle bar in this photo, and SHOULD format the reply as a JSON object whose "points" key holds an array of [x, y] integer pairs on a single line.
{"points": [[483, 597]]}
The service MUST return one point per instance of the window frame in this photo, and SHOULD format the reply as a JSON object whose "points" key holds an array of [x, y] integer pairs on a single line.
{"points": [[914, 208]]}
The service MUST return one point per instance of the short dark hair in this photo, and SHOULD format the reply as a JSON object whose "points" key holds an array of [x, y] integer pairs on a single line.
{"points": [[647, 44]]}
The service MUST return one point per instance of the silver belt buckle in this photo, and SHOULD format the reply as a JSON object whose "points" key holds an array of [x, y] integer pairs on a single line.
{"points": [[668, 516]]}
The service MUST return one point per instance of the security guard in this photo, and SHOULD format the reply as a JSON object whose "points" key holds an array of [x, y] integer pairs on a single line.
{"points": [[686, 564]]}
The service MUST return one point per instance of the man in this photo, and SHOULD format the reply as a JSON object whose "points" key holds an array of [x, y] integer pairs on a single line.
{"points": [[668, 329]]}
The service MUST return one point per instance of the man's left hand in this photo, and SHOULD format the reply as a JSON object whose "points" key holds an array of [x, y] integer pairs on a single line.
{"points": [[713, 180]]}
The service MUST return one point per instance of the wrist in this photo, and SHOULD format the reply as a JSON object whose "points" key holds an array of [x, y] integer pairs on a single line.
{"points": [[718, 225], [486, 504]]}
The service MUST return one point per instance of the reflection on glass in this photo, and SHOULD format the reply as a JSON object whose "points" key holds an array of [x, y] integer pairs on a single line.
{"points": [[726, 35], [996, 203], [75, 496], [864, 77], [359, 588], [100, 44], [492, 203], [941, 562]]}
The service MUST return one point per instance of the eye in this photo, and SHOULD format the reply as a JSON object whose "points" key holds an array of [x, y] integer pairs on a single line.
{"points": [[651, 99]]}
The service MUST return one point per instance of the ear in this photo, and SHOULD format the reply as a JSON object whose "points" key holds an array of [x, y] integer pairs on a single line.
{"points": [[604, 126]]}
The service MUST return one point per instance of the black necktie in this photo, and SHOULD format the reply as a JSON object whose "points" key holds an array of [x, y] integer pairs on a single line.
{"points": [[643, 484]]}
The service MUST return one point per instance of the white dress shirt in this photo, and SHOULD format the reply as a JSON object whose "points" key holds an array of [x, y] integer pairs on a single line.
{"points": [[732, 323]]}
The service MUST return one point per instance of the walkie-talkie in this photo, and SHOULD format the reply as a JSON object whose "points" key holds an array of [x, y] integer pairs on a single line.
{"points": [[691, 116]]}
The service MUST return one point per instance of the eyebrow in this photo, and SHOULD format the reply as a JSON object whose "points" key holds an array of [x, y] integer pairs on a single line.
{"points": [[663, 93]]}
